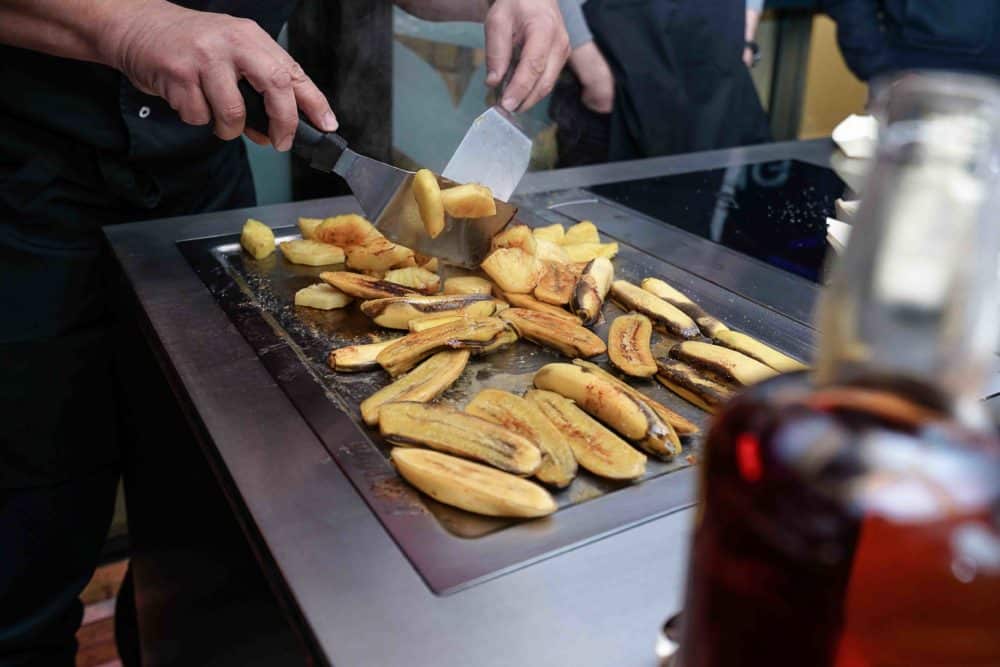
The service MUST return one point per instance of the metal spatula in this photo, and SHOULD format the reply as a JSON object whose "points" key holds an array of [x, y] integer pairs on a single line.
{"points": [[384, 193], [495, 152]]}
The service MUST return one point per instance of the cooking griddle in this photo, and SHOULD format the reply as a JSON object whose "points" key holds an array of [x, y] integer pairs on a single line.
{"points": [[451, 548]]}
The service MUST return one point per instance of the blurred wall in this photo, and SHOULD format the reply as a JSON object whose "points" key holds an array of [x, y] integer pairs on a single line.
{"points": [[831, 91]]}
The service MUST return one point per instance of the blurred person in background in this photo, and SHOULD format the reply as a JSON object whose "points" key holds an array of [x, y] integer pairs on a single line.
{"points": [[657, 77], [112, 112]]}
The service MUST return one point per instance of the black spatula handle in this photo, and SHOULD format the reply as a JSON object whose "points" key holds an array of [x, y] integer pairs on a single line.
{"points": [[320, 149]]}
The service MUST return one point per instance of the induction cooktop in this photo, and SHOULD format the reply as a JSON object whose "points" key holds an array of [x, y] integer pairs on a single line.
{"points": [[774, 211]]}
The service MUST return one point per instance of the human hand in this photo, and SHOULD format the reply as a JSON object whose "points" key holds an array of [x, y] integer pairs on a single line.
{"points": [[595, 77], [537, 26], [194, 61]]}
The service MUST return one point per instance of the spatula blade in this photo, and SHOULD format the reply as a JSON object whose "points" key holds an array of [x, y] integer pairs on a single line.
{"points": [[495, 152]]}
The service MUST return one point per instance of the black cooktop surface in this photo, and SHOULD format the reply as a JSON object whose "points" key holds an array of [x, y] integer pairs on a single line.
{"points": [[774, 211]]}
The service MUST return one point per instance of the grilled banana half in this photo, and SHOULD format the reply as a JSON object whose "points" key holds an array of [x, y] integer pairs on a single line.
{"points": [[425, 322], [709, 325], [669, 318], [478, 336], [592, 288], [468, 285], [693, 387], [729, 365], [471, 486], [361, 286], [396, 312], [682, 425], [424, 383], [529, 302], [556, 283], [354, 358], [605, 401], [568, 338], [755, 349], [596, 448], [628, 345], [451, 431], [525, 418]]}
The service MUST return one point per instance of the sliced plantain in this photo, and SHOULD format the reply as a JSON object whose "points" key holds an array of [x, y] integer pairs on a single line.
{"points": [[311, 253], [513, 270], [592, 288], [531, 303], [569, 338], [525, 418], [695, 388], [468, 285], [581, 232], [322, 297], [414, 277], [681, 424], [346, 231], [425, 322], [379, 254], [755, 349], [469, 201], [427, 192], [709, 325], [361, 286], [729, 365], [596, 448], [396, 312], [424, 383], [471, 486], [354, 358], [556, 282], [584, 252], [628, 345], [662, 314], [479, 336], [452, 431], [606, 402]]}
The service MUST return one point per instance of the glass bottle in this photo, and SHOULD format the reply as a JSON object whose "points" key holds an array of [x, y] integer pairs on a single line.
{"points": [[851, 516]]}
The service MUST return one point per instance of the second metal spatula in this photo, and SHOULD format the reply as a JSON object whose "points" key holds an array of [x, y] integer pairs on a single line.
{"points": [[495, 152]]}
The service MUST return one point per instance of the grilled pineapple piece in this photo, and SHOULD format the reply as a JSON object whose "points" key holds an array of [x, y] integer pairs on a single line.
{"points": [[346, 231], [603, 400], [755, 349], [307, 227], [431, 265], [513, 270], [709, 325], [468, 285], [695, 388], [662, 314], [628, 345], [721, 361], [427, 192], [471, 486], [257, 238], [566, 337], [554, 233], [364, 287], [516, 236], [581, 232], [311, 253], [596, 448], [469, 201], [584, 252], [416, 278], [681, 424], [524, 418], [531, 303], [396, 312], [591, 289], [479, 336], [379, 254], [424, 383], [550, 251], [452, 431], [354, 358], [556, 283], [322, 297]]}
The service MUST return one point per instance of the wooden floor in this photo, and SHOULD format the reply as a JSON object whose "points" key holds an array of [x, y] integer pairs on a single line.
{"points": [[97, 634]]}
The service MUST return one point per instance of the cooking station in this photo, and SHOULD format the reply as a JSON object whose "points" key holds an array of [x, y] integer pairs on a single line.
{"points": [[360, 568]]}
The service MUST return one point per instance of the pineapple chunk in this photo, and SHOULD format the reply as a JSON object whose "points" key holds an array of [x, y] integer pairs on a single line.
{"points": [[427, 192], [419, 279], [581, 232], [321, 296], [346, 230], [516, 236], [377, 255], [257, 238], [307, 226], [431, 265], [549, 251], [584, 252], [311, 253], [469, 201], [468, 285], [554, 233], [513, 270]]}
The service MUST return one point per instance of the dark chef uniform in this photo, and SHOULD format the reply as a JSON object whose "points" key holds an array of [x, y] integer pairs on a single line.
{"points": [[80, 148]]}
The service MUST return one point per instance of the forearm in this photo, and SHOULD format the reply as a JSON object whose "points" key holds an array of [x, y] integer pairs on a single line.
{"points": [[752, 21], [445, 10]]}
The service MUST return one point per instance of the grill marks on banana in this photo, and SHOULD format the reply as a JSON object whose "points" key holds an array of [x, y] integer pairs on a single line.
{"points": [[629, 345]]}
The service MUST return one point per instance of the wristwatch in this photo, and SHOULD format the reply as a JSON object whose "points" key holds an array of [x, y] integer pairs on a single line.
{"points": [[754, 51]]}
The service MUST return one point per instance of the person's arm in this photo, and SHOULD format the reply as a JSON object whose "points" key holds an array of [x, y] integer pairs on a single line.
{"points": [[859, 35], [191, 59], [587, 62], [753, 12], [534, 25]]}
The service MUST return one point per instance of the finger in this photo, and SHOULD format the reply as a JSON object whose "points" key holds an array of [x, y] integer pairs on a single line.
{"points": [[546, 81], [228, 111], [272, 78], [256, 137], [189, 102], [312, 101], [499, 45], [534, 58]]}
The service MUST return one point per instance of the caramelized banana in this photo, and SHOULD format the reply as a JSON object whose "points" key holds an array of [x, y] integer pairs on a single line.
{"points": [[628, 345], [355, 358], [479, 336], [709, 325], [361, 286], [596, 448], [663, 315], [592, 288], [524, 418], [531, 303], [721, 361], [396, 312], [424, 383], [451, 431], [755, 349], [425, 322], [556, 283], [566, 337], [686, 382]]}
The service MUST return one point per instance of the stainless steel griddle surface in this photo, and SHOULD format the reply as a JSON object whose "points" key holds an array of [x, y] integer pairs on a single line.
{"points": [[449, 547]]}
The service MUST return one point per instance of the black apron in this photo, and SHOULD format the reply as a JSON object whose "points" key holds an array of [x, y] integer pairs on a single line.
{"points": [[680, 82]]}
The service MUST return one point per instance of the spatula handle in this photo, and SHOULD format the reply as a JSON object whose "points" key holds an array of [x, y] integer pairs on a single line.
{"points": [[320, 149]]}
